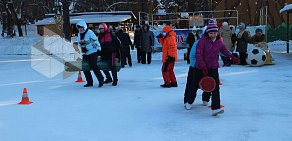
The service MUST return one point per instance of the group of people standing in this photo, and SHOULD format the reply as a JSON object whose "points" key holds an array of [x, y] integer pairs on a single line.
{"points": [[232, 41]]}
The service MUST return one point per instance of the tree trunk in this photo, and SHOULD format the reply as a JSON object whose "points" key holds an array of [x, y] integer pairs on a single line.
{"points": [[66, 19]]}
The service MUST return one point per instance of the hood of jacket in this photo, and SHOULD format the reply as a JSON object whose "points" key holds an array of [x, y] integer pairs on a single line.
{"points": [[168, 29], [105, 27], [82, 23]]}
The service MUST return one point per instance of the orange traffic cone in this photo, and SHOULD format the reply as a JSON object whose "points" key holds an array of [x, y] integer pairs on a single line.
{"points": [[79, 79], [25, 99]]}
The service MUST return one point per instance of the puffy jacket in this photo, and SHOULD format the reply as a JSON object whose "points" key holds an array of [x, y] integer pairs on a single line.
{"points": [[226, 34], [192, 56], [207, 53], [109, 44], [92, 43], [169, 47]]}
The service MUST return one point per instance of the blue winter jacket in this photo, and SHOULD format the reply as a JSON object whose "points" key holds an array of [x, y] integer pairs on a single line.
{"points": [[192, 56], [92, 43], [193, 52]]}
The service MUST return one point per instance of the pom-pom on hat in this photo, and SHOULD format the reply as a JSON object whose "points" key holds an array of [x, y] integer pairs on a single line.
{"points": [[212, 26]]}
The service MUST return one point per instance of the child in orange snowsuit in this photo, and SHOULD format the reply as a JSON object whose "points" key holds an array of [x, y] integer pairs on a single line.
{"points": [[169, 55]]}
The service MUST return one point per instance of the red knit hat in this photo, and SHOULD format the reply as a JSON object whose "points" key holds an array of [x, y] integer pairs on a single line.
{"points": [[212, 26]]}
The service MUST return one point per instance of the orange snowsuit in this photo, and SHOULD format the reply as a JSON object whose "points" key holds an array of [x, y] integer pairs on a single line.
{"points": [[169, 56], [169, 47]]}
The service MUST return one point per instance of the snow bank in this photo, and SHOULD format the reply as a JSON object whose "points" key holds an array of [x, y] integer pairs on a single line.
{"points": [[286, 8], [26, 45]]}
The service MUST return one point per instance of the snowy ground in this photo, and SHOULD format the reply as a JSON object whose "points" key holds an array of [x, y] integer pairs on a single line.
{"points": [[257, 103]]}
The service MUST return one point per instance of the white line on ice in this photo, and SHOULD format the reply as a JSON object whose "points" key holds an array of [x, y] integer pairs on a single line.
{"points": [[7, 103], [238, 73], [26, 60], [19, 83]]}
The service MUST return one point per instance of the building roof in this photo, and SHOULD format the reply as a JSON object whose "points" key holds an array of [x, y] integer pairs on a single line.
{"points": [[93, 17], [286, 8]]}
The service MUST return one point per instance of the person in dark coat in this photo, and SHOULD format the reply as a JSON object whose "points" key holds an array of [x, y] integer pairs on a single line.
{"points": [[137, 40], [243, 38], [147, 44], [192, 36], [110, 48], [126, 44], [89, 45], [259, 37]]}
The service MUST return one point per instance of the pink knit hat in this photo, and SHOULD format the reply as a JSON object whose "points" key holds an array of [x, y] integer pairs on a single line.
{"points": [[212, 26]]}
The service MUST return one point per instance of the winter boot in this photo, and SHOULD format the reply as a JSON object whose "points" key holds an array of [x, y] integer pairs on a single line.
{"points": [[173, 84], [88, 85], [217, 112], [165, 85], [100, 84], [115, 83], [108, 81], [188, 106]]}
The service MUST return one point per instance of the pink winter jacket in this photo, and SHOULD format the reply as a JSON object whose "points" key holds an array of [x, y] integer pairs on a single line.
{"points": [[207, 54]]}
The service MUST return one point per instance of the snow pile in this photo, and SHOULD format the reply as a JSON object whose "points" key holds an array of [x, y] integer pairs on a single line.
{"points": [[286, 8], [34, 44], [280, 46]]}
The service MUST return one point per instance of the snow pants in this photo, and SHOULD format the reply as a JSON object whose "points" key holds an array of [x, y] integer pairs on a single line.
{"points": [[168, 74], [92, 61], [192, 86]]}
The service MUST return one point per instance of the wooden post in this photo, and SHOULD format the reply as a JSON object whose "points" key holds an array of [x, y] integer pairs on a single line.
{"points": [[287, 31]]}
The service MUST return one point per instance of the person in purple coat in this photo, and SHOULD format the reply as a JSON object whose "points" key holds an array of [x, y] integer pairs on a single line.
{"points": [[207, 55]]}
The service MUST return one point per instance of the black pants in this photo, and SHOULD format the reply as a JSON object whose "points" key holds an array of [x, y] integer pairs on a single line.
{"points": [[194, 77], [143, 57], [242, 56], [139, 53], [92, 61], [226, 61], [126, 55]]}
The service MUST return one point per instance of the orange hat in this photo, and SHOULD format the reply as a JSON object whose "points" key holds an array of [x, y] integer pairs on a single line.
{"points": [[167, 29]]}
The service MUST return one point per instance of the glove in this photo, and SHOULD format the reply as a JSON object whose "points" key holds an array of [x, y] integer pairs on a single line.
{"points": [[83, 49], [159, 35], [170, 59], [82, 43], [235, 60], [205, 71]]}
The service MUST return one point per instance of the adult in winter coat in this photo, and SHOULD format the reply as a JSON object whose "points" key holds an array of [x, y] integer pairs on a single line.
{"points": [[147, 43], [169, 56], [137, 41], [125, 50], [208, 48], [191, 38], [243, 38], [89, 45], [226, 34], [189, 90], [259, 37], [110, 48]]}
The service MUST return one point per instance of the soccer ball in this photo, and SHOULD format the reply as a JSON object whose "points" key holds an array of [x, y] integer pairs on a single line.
{"points": [[256, 57]]}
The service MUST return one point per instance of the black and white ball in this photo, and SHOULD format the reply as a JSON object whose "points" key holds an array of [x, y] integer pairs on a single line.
{"points": [[256, 57]]}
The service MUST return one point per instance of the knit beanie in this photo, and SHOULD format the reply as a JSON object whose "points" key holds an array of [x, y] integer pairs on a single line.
{"points": [[212, 26]]}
